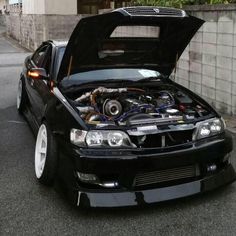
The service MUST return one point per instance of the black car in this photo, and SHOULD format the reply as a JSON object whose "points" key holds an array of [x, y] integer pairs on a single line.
{"points": [[112, 127]]}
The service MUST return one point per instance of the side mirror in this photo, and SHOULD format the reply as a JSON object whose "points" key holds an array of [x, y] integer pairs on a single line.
{"points": [[38, 74]]}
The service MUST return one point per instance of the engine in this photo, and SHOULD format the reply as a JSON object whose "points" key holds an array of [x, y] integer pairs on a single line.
{"points": [[132, 106]]}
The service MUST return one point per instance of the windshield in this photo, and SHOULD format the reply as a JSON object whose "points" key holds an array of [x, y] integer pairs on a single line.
{"points": [[117, 75]]}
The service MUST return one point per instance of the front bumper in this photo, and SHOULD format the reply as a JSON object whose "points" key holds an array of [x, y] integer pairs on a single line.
{"points": [[124, 165], [135, 198]]}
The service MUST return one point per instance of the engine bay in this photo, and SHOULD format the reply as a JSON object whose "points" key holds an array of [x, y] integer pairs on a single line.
{"points": [[129, 106]]}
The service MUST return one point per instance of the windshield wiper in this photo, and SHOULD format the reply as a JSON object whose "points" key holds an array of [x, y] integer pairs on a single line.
{"points": [[151, 78], [72, 87]]}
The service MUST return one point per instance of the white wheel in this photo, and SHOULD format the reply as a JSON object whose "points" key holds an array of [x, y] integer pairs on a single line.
{"points": [[41, 151], [45, 162], [19, 95]]}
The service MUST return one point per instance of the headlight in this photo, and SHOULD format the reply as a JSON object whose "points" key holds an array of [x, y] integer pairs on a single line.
{"points": [[115, 139], [94, 138], [77, 137], [100, 138], [209, 128]]}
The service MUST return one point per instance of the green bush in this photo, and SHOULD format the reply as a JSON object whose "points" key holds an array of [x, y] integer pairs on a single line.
{"points": [[179, 3]]}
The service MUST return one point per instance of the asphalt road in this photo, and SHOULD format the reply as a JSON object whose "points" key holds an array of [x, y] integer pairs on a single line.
{"points": [[27, 208]]}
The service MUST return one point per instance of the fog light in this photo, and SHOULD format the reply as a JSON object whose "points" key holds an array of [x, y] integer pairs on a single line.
{"points": [[109, 184], [87, 178], [93, 179], [211, 168]]}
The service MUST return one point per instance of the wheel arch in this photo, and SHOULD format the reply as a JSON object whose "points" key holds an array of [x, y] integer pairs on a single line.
{"points": [[23, 79]]}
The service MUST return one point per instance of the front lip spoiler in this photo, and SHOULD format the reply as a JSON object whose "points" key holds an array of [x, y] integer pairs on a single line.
{"points": [[123, 199]]}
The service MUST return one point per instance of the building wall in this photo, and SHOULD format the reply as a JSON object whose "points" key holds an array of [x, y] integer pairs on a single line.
{"points": [[3, 4], [33, 6], [65, 7], [15, 1], [68, 7], [208, 65], [32, 30]]}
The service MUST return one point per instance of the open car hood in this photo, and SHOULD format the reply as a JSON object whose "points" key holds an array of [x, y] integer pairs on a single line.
{"points": [[95, 43]]}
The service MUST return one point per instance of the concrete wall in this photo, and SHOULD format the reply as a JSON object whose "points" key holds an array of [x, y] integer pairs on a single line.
{"points": [[2, 20], [31, 30], [208, 65], [60, 7]]}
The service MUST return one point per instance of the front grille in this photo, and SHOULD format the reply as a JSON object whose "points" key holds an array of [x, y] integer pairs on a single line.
{"points": [[148, 11], [167, 175], [167, 139]]}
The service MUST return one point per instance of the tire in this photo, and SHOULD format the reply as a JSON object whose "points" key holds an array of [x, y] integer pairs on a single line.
{"points": [[45, 161], [21, 97]]}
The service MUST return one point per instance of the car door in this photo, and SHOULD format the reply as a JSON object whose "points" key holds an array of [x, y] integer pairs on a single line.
{"points": [[38, 90]]}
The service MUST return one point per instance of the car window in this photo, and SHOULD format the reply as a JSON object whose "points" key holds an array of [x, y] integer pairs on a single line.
{"points": [[42, 58], [39, 55], [60, 55], [47, 60]]}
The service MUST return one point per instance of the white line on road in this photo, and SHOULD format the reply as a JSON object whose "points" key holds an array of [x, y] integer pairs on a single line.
{"points": [[14, 122], [11, 65]]}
